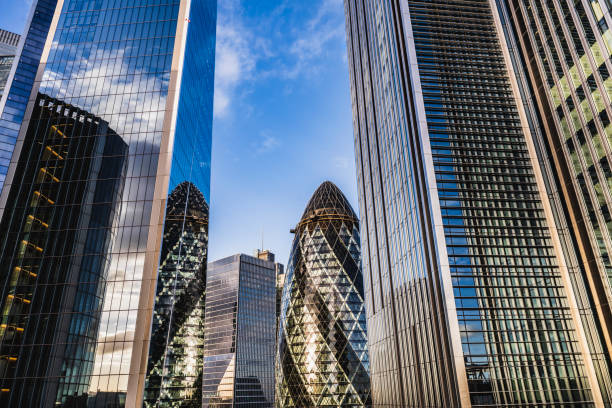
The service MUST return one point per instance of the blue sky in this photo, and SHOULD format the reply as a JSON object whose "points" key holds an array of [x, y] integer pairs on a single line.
{"points": [[282, 122]]}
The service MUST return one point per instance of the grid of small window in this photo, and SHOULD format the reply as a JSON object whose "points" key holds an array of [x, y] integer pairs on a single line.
{"points": [[517, 332], [572, 55], [408, 339]]}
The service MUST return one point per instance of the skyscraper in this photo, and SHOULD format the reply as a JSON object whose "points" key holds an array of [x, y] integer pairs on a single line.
{"points": [[567, 47], [240, 325], [20, 78], [322, 357], [472, 296], [8, 49], [144, 70]]}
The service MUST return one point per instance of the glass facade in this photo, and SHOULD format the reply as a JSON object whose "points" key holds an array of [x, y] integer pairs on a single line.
{"points": [[19, 86], [55, 253], [567, 47], [322, 358], [239, 332], [141, 68], [174, 373], [457, 220]]}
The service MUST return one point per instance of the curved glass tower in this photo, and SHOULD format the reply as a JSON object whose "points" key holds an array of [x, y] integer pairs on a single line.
{"points": [[174, 373], [322, 358]]}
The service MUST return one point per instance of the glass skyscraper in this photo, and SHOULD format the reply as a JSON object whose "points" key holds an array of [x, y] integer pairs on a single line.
{"points": [[126, 85], [240, 326], [322, 357], [473, 297], [566, 46], [20, 78]]}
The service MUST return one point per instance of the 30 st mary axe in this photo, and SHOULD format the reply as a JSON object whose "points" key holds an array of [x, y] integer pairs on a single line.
{"points": [[482, 140], [119, 115]]}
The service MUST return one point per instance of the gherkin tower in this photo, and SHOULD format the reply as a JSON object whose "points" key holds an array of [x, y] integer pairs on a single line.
{"points": [[174, 372], [322, 357]]}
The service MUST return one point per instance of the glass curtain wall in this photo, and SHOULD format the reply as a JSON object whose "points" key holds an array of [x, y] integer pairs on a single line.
{"points": [[142, 68], [322, 358]]}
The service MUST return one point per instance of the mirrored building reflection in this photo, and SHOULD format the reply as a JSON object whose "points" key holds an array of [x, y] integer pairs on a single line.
{"points": [[174, 373], [240, 332], [322, 358], [58, 229], [146, 69]]}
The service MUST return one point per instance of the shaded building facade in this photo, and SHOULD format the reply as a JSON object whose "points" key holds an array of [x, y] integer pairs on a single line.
{"points": [[174, 376], [466, 255], [147, 71], [322, 357], [54, 252], [240, 325], [20, 78]]}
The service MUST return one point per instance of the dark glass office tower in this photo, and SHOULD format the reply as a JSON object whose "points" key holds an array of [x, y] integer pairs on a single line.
{"points": [[55, 252], [566, 46], [174, 374], [239, 332], [8, 50], [322, 357], [146, 69], [469, 298], [20, 78]]}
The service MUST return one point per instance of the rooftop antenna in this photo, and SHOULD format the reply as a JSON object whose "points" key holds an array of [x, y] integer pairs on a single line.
{"points": [[262, 239]]}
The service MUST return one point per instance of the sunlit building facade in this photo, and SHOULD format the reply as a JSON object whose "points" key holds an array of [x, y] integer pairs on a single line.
{"points": [[145, 70], [474, 293], [240, 326], [567, 47], [322, 357]]}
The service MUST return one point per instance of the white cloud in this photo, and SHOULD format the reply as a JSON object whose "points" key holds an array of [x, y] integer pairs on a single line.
{"points": [[326, 26], [271, 47], [235, 63], [266, 143]]}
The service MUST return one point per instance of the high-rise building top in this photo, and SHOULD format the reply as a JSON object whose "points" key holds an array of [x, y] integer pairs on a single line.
{"points": [[8, 38], [8, 50], [264, 254], [322, 356], [462, 257], [240, 332]]}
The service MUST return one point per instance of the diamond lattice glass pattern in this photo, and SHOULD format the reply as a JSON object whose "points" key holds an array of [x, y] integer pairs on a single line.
{"points": [[174, 373], [322, 358]]}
